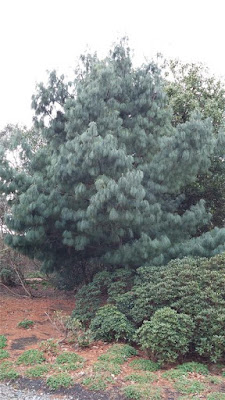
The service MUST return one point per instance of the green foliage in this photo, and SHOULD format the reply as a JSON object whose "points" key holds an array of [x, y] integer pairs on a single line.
{"points": [[7, 372], [38, 371], [210, 335], [145, 365], [194, 367], [110, 324], [140, 378], [4, 354], [132, 392], [174, 374], [90, 297], [3, 341], [216, 396], [167, 335], [192, 88], [188, 285], [31, 357], [26, 324], [49, 346], [7, 276], [69, 357], [107, 366], [189, 386], [55, 382], [101, 189], [140, 392], [96, 382]]}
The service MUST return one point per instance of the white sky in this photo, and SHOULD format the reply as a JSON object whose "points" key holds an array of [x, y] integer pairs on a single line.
{"points": [[36, 35]]}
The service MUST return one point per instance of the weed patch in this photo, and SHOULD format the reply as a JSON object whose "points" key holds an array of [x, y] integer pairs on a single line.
{"points": [[25, 324], [138, 378], [189, 386], [3, 341], [60, 380], [49, 346], [7, 372], [96, 382], [38, 371], [31, 357], [145, 365], [194, 367], [4, 354], [138, 392]]}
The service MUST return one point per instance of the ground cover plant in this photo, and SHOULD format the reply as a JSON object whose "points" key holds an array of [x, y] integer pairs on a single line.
{"points": [[26, 324], [3, 341], [31, 357]]}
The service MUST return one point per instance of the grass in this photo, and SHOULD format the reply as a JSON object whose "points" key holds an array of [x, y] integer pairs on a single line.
{"points": [[142, 378], [216, 396], [4, 354], [7, 372], [189, 386], [3, 342], [31, 357], [174, 374], [138, 392], [26, 324], [110, 367], [54, 382], [96, 382], [194, 367], [69, 357], [69, 361], [37, 371], [144, 365]]}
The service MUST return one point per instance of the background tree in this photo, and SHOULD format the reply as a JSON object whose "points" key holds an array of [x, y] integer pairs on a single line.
{"points": [[108, 183], [191, 87]]}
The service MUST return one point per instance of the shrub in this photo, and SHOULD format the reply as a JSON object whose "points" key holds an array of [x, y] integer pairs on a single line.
{"points": [[167, 335], [189, 286], [210, 333], [110, 324], [105, 284], [8, 276]]}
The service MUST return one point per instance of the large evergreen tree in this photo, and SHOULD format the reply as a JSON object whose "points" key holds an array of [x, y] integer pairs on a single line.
{"points": [[107, 182]]}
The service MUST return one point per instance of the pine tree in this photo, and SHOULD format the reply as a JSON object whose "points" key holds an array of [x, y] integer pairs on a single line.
{"points": [[106, 184]]}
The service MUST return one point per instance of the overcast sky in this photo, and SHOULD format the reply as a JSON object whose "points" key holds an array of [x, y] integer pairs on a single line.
{"points": [[40, 35]]}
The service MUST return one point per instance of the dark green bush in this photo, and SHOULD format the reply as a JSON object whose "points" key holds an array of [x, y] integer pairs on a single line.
{"points": [[210, 333], [190, 286], [105, 284], [110, 324], [7, 276], [167, 335]]}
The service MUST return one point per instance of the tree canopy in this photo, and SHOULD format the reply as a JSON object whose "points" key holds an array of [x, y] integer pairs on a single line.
{"points": [[108, 180]]}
